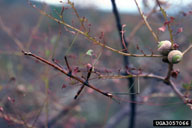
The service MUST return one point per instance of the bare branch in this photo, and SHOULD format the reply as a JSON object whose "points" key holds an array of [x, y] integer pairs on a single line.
{"points": [[92, 38], [189, 48], [67, 74], [146, 22]]}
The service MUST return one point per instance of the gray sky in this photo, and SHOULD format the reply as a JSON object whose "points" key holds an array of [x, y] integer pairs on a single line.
{"points": [[123, 5]]}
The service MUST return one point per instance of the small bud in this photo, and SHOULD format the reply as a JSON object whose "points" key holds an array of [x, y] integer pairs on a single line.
{"points": [[164, 47], [175, 56], [175, 73]]}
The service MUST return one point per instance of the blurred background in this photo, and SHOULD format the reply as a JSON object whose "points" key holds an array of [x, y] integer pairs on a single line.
{"points": [[33, 94]]}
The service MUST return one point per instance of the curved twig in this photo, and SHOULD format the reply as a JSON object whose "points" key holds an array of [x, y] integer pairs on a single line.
{"points": [[189, 48], [146, 22], [93, 39]]}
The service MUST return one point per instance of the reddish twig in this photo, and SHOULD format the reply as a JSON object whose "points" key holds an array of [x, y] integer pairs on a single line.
{"points": [[69, 68], [87, 79], [67, 74], [167, 78], [10, 118]]}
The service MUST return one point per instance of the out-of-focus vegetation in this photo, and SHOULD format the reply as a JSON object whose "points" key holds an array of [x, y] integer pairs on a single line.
{"points": [[34, 93]]}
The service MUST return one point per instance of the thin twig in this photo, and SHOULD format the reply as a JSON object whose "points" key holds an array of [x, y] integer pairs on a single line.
{"points": [[170, 69], [34, 31], [176, 90], [14, 120], [8, 31], [186, 50], [69, 68], [93, 39], [131, 76], [77, 14], [72, 43], [67, 74], [136, 28], [145, 75], [87, 80], [168, 24], [146, 22]]}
